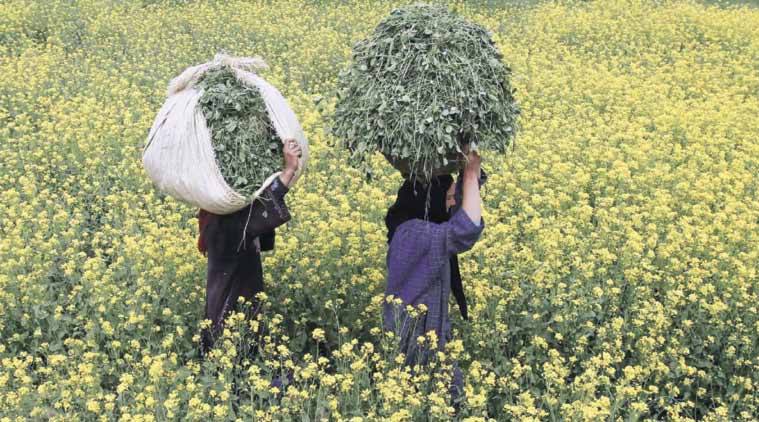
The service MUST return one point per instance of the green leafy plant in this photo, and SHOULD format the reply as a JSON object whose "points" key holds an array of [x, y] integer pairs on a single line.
{"points": [[425, 83], [245, 143]]}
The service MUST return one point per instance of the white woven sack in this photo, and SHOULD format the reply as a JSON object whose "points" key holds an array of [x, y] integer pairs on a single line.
{"points": [[179, 156]]}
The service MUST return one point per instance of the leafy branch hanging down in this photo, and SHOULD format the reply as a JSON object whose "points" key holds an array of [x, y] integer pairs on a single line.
{"points": [[425, 83], [244, 140]]}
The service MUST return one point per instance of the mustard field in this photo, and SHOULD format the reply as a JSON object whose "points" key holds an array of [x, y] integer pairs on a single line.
{"points": [[617, 278]]}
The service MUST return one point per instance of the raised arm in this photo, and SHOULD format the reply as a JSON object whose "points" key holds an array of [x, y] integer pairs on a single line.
{"points": [[270, 211], [471, 202]]}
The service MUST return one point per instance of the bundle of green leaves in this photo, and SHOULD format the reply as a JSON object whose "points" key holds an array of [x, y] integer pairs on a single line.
{"points": [[244, 140], [422, 85]]}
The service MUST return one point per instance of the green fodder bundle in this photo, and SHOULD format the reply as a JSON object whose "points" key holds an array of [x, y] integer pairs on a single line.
{"points": [[244, 140], [422, 85]]}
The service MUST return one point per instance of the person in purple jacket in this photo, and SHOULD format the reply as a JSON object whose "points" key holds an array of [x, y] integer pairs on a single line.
{"points": [[427, 229]]}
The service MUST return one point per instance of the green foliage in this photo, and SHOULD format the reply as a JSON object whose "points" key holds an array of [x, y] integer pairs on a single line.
{"points": [[246, 145], [424, 83]]}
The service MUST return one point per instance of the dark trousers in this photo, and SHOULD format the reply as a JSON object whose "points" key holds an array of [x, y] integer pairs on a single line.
{"points": [[224, 288]]}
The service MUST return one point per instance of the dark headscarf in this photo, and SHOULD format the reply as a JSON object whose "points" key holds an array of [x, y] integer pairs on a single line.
{"points": [[426, 202], [416, 200]]}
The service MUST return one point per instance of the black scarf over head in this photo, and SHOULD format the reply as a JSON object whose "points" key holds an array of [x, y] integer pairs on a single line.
{"points": [[426, 202]]}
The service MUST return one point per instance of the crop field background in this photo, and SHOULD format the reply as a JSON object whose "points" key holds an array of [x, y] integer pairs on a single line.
{"points": [[617, 278]]}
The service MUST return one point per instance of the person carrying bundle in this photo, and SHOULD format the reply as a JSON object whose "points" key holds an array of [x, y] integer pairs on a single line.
{"points": [[428, 90], [233, 244], [217, 144], [424, 239]]}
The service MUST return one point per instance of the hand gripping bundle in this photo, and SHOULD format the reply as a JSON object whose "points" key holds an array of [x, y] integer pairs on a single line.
{"points": [[179, 155]]}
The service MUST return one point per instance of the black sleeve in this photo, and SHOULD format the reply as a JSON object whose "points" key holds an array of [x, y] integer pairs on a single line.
{"points": [[267, 212], [278, 189]]}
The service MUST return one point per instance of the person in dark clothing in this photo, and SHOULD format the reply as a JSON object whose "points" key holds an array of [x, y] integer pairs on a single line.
{"points": [[233, 244]]}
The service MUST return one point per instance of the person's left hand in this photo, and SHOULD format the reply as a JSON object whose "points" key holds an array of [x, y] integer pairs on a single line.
{"points": [[291, 152]]}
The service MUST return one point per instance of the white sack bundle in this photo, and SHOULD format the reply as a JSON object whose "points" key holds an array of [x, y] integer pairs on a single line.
{"points": [[179, 156]]}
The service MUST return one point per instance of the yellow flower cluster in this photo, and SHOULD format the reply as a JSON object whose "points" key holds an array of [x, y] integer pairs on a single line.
{"points": [[617, 278]]}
